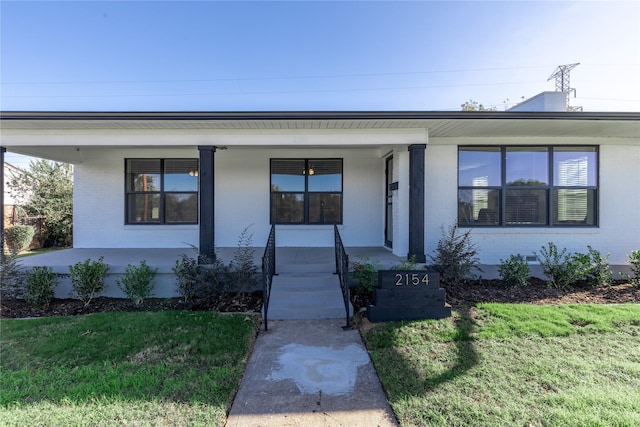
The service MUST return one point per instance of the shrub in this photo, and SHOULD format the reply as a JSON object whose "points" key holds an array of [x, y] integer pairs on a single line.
{"points": [[204, 279], [11, 277], [186, 271], [407, 264], [137, 282], [215, 279], [41, 282], [242, 269], [561, 268], [514, 271], [634, 262], [597, 271], [87, 279], [18, 238], [455, 256], [365, 273]]}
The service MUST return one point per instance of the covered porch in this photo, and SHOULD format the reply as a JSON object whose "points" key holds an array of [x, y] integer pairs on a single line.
{"points": [[378, 200], [288, 260]]}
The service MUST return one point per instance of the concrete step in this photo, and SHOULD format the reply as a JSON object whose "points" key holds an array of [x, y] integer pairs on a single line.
{"points": [[305, 260], [303, 269], [296, 296]]}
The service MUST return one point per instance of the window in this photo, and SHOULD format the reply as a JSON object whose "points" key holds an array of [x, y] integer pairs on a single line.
{"points": [[161, 191], [306, 191], [527, 186]]}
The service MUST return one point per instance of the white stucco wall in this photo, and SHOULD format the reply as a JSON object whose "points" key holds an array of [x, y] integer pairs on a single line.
{"points": [[619, 204]]}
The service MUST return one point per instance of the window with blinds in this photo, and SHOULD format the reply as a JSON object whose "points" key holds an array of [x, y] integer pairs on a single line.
{"points": [[161, 191], [306, 191], [527, 186]]}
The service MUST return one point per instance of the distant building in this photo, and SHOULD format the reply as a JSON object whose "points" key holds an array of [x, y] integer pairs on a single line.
{"points": [[545, 101]]}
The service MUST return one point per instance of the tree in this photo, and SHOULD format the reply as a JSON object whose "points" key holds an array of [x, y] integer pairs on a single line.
{"points": [[472, 105], [47, 190]]}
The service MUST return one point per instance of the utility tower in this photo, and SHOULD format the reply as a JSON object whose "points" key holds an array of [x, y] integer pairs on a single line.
{"points": [[562, 75]]}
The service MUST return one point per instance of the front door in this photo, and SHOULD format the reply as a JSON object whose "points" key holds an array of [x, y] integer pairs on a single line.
{"points": [[388, 197]]}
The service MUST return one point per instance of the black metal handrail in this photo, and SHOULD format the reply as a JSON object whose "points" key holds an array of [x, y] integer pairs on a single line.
{"points": [[268, 270], [342, 270]]}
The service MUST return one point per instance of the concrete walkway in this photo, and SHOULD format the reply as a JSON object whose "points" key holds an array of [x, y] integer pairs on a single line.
{"points": [[306, 370], [310, 373]]}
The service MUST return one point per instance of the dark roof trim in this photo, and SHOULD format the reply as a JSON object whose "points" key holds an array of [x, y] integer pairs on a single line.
{"points": [[316, 115]]}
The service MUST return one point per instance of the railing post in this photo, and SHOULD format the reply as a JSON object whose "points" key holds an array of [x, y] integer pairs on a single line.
{"points": [[342, 269], [273, 252], [335, 245], [268, 270]]}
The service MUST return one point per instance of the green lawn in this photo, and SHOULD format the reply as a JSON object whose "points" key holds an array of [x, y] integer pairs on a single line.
{"points": [[490, 365], [513, 365], [143, 369]]}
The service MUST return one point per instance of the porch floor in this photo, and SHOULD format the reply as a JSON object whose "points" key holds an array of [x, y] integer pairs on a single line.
{"points": [[296, 261], [293, 259]]}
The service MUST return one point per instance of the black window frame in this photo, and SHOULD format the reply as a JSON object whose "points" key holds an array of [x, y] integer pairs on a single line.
{"points": [[162, 193], [306, 192], [550, 188]]}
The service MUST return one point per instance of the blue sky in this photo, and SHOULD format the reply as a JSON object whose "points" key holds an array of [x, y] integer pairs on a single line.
{"points": [[301, 55]]}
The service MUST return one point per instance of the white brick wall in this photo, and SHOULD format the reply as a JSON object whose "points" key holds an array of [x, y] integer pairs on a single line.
{"points": [[99, 214], [619, 204], [242, 199]]}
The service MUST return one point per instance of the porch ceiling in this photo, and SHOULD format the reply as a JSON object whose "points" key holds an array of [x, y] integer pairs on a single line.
{"points": [[439, 124]]}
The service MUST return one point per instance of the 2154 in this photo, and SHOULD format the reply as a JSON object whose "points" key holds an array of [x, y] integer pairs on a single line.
{"points": [[412, 279]]}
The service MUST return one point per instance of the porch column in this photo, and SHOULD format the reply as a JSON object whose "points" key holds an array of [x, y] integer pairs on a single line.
{"points": [[206, 180], [416, 202], [2, 151]]}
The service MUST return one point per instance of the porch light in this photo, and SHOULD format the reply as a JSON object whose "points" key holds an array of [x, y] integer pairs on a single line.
{"points": [[311, 171], [193, 173]]}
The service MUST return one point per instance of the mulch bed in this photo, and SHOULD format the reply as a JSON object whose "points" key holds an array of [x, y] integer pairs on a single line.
{"points": [[537, 292], [463, 294], [231, 303]]}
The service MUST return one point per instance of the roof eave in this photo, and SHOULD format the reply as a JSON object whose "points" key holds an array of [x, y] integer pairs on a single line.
{"points": [[315, 115]]}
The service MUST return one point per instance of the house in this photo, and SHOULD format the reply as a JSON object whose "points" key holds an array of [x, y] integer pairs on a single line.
{"points": [[518, 179]]}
